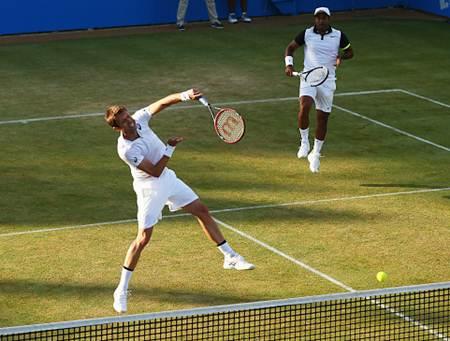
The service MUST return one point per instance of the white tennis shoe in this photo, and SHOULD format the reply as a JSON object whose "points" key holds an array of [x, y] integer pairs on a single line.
{"points": [[314, 162], [237, 262], [120, 300], [303, 150], [232, 18]]}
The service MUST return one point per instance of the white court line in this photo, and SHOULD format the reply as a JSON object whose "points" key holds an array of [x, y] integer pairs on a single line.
{"points": [[284, 255], [391, 127], [322, 274], [331, 279], [424, 98], [235, 209], [30, 120], [267, 100], [255, 101]]}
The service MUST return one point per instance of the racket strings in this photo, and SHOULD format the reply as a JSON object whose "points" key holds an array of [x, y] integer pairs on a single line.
{"points": [[229, 125], [317, 75]]}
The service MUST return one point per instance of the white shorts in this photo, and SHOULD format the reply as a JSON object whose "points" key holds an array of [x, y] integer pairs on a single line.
{"points": [[154, 194], [322, 94]]}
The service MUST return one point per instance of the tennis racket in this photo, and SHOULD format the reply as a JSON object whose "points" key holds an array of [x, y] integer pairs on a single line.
{"points": [[228, 124], [314, 77]]}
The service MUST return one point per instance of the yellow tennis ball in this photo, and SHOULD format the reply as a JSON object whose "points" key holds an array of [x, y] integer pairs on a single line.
{"points": [[382, 276]]}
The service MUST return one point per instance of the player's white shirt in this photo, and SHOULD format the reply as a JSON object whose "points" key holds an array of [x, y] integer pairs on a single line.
{"points": [[321, 50], [147, 146]]}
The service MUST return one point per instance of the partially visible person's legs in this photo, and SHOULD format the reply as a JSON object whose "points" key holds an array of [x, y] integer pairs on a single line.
{"points": [[232, 12], [244, 17], [131, 260], [212, 13], [181, 12]]}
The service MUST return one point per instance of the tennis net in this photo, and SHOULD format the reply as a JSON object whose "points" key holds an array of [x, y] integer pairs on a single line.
{"points": [[404, 313]]}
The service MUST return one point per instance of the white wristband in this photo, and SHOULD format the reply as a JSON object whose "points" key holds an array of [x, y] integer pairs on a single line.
{"points": [[169, 151], [185, 96], [289, 60]]}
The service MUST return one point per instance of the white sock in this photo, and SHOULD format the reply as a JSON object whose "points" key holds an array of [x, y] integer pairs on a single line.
{"points": [[226, 249], [124, 279], [317, 145], [304, 134]]}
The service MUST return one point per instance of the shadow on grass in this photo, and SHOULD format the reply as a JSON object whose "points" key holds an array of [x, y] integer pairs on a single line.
{"points": [[76, 291], [292, 213]]}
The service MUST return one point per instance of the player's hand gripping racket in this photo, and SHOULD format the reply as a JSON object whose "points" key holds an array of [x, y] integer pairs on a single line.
{"points": [[314, 77], [228, 124]]}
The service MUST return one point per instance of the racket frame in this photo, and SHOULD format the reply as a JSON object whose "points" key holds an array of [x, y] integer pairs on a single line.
{"points": [[216, 120], [304, 75], [215, 117]]}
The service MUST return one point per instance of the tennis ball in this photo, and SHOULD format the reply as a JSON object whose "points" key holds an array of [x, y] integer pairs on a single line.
{"points": [[382, 276]]}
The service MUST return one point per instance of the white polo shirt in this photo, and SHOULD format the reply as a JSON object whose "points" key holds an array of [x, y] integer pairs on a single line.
{"points": [[147, 146], [322, 49]]}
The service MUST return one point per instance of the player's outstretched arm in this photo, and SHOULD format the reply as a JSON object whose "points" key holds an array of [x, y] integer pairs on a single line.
{"points": [[191, 94], [156, 169]]}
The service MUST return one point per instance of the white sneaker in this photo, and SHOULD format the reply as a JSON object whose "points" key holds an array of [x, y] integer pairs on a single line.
{"points": [[232, 18], [120, 301], [303, 150], [237, 262], [314, 161], [245, 18]]}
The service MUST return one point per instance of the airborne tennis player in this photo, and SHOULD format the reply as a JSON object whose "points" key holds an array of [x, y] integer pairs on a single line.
{"points": [[322, 46], [156, 185]]}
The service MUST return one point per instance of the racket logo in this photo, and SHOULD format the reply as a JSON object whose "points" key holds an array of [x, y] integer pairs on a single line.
{"points": [[229, 124]]}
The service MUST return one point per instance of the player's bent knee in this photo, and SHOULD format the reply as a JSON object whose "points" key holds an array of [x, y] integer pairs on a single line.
{"points": [[201, 210], [144, 237]]}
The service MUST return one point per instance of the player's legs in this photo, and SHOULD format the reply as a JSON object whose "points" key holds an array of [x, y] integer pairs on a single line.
{"points": [[232, 260], [183, 197], [306, 103], [324, 101], [137, 246], [322, 124], [151, 198], [131, 260], [209, 226]]}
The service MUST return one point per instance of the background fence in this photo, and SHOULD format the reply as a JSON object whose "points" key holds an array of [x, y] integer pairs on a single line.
{"points": [[30, 16]]}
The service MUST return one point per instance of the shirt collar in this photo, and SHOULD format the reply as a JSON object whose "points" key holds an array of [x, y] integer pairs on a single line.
{"points": [[328, 31]]}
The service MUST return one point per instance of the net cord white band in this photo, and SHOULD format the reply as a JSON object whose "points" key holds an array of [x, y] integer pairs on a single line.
{"points": [[225, 308]]}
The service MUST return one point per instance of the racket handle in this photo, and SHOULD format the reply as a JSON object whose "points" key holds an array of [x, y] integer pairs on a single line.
{"points": [[203, 101], [296, 74]]}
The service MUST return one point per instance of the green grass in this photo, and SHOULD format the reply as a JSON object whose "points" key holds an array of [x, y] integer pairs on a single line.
{"points": [[66, 172]]}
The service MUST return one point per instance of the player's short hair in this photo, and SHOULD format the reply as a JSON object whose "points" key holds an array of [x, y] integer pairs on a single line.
{"points": [[112, 112]]}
